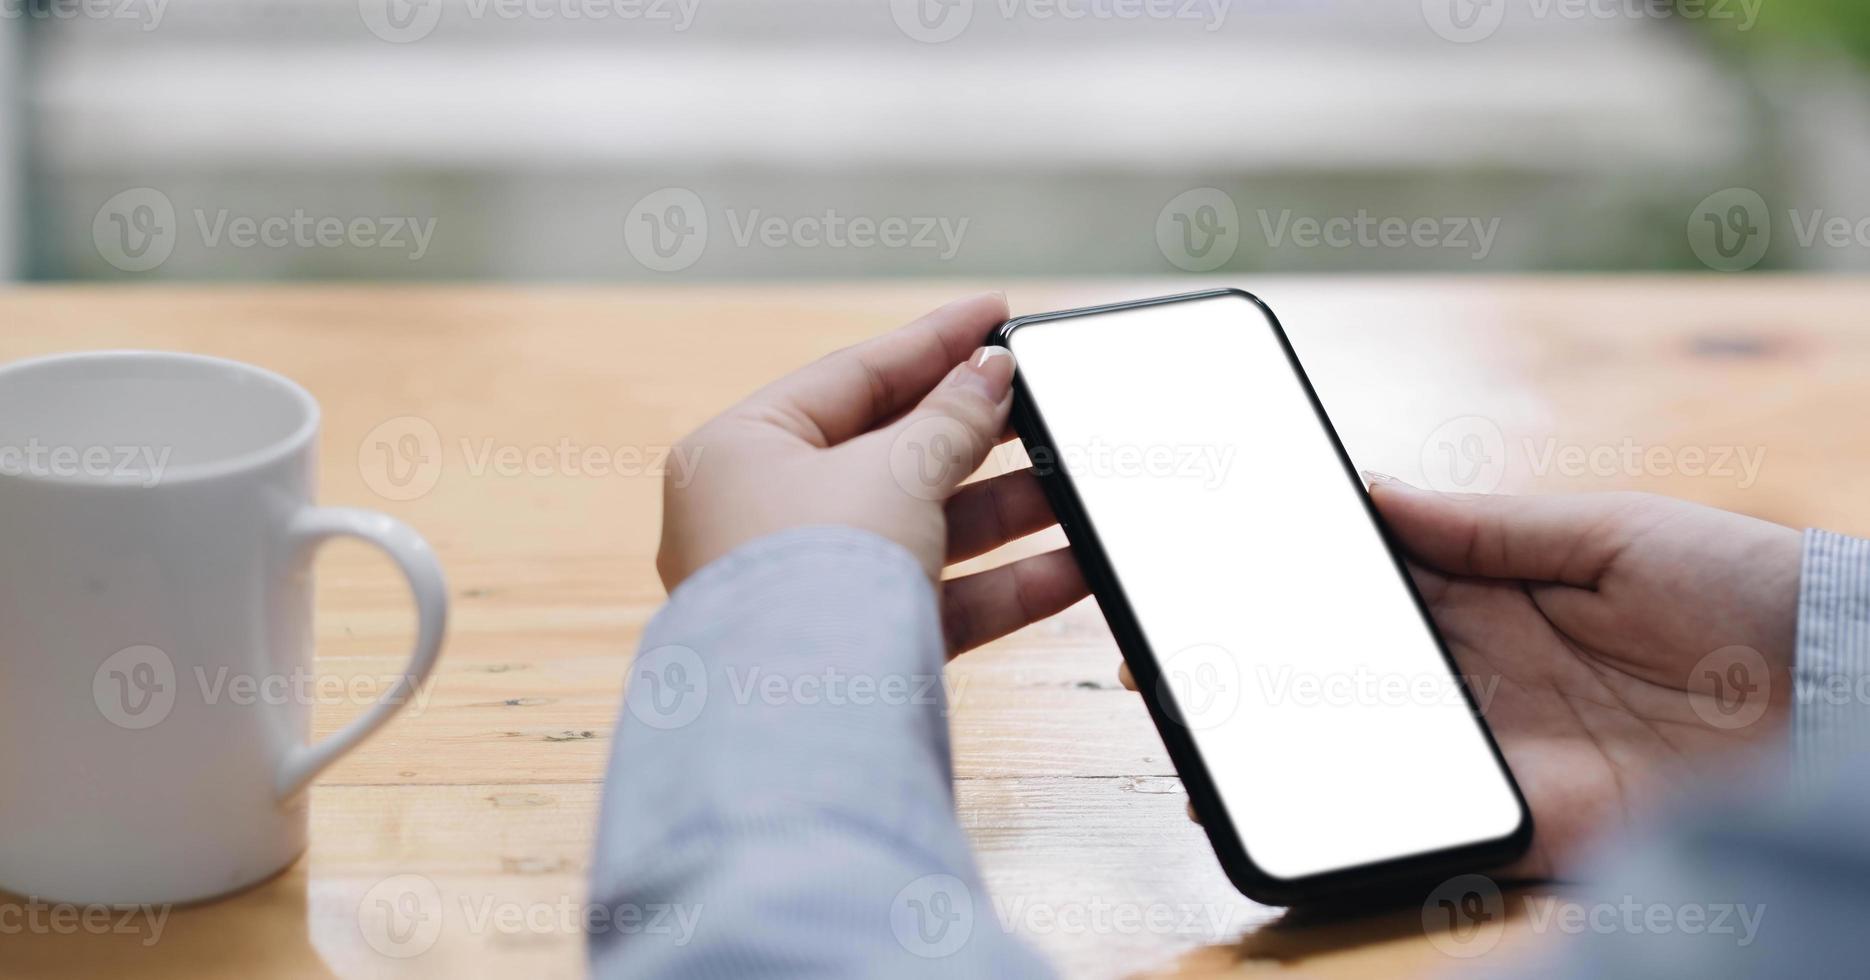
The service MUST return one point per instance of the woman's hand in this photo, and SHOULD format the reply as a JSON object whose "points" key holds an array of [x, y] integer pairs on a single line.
{"points": [[1618, 643], [1633, 641], [879, 437]]}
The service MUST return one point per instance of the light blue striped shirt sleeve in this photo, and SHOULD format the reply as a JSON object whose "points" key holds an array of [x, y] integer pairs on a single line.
{"points": [[1831, 716], [1758, 876], [779, 800]]}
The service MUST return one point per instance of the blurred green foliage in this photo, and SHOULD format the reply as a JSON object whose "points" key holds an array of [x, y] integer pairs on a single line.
{"points": [[1842, 25]]}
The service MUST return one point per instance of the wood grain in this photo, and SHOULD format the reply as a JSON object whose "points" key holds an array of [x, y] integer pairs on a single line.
{"points": [[487, 789]]}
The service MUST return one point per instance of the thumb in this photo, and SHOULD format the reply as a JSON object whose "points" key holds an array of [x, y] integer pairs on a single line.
{"points": [[948, 435], [1570, 538]]}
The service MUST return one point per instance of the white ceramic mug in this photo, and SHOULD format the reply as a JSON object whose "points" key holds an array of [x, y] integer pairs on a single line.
{"points": [[156, 537]]}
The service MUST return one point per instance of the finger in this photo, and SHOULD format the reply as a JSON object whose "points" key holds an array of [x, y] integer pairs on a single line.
{"points": [[1431, 584], [1191, 812], [1569, 538], [988, 605], [848, 392], [985, 515], [932, 449]]}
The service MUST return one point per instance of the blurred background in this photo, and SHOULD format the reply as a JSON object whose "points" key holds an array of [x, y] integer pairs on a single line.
{"points": [[606, 140]]}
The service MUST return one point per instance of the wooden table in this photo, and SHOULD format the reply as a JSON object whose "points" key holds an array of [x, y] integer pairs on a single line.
{"points": [[490, 789]]}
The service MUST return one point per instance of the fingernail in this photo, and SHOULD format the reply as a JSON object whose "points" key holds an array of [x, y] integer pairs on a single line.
{"points": [[988, 373], [1373, 478], [973, 298]]}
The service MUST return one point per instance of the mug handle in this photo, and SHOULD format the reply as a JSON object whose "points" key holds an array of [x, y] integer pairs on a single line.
{"points": [[316, 525]]}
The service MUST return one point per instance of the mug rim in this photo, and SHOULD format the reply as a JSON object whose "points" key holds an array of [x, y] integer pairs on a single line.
{"points": [[253, 459]]}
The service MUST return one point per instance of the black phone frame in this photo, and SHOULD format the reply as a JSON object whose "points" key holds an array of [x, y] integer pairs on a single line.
{"points": [[1395, 874]]}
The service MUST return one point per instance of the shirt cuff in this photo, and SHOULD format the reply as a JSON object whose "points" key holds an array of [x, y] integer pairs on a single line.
{"points": [[800, 674], [1832, 662]]}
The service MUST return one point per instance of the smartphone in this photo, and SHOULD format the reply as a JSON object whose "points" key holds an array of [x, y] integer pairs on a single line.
{"points": [[1321, 728]]}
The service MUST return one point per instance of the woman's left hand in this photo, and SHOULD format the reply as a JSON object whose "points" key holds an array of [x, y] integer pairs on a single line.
{"points": [[880, 437]]}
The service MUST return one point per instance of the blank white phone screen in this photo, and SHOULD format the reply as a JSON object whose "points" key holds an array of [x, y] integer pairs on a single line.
{"points": [[1334, 731]]}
